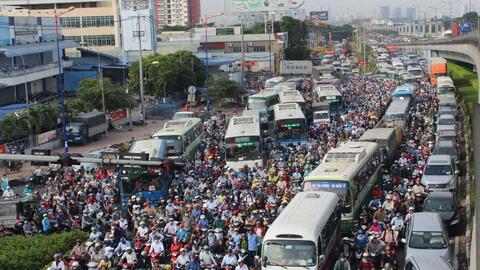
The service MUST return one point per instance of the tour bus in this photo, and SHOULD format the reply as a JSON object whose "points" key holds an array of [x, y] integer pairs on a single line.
{"points": [[290, 123], [397, 113], [269, 96], [350, 171], [404, 90], [304, 235], [327, 96], [292, 96], [183, 137], [243, 143], [273, 81]]}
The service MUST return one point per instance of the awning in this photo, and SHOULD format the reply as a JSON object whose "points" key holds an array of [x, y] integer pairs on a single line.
{"points": [[25, 49]]}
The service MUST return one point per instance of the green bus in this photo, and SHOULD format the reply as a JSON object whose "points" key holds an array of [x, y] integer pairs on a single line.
{"points": [[269, 96], [350, 171], [182, 137]]}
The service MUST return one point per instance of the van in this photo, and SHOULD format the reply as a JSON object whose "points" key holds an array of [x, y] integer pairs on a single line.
{"points": [[439, 173], [426, 235], [447, 100], [427, 263], [321, 117]]}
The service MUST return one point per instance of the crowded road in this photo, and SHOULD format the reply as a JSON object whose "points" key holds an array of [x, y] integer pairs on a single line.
{"points": [[216, 217]]}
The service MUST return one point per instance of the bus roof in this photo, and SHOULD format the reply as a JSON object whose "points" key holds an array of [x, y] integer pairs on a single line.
{"points": [[154, 147], [276, 79], [398, 106], [302, 219], [288, 111], [177, 127], [377, 134], [321, 92], [265, 93], [290, 96], [240, 126], [344, 162]]}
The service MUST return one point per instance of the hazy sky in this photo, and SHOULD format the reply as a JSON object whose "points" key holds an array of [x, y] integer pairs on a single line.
{"points": [[367, 7]]}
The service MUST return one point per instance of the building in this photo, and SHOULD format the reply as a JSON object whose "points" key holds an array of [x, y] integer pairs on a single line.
{"points": [[94, 22], [28, 58], [227, 49], [397, 15], [411, 13], [178, 12], [385, 12]]}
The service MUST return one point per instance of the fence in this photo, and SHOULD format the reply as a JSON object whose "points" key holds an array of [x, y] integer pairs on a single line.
{"points": [[27, 143]]}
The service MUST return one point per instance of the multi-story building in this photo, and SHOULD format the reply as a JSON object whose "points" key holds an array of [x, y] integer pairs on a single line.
{"points": [[29, 62], [178, 12], [411, 13], [385, 12], [397, 15], [93, 22]]}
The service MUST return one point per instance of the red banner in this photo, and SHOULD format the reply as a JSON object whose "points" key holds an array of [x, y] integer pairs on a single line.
{"points": [[3, 149], [118, 115]]}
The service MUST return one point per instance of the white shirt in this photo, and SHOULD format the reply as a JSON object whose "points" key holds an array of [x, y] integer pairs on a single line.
{"points": [[58, 266], [157, 247], [142, 231]]}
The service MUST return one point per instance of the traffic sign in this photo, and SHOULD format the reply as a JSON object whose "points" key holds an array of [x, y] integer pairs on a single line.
{"points": [[192, 89]]}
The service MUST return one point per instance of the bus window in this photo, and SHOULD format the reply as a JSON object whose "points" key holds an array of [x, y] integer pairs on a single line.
{"points": [[288, 129]]}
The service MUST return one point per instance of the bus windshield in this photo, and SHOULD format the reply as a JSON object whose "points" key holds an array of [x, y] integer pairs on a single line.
{"points": [[395, 117], [140, 184], [174, 146], [243, 148], [290, 253], [291, 129]]}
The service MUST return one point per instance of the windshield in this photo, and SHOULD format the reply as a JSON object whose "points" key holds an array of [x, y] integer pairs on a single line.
{"points": [[395, 117], [243, 148], [446, 121], [74, 128], [438, 170], [445, 90], [437, 204], [290, 253], [174, 146], [291, 129], [140, 184], [323, 115], [446, 151], [427, 240]]}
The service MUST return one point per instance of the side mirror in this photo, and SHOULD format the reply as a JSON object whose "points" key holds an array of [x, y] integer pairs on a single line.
{"points": [[457, 172], [404, 241], [451, 242], [321, 258], [264, 261]]}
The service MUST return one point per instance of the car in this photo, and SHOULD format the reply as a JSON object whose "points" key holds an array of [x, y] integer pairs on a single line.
{"points": [[446, 122], [443, 203], [448, 135], [446, 147], [182, 115], [439, 173], [446, 110], [427, 263]]}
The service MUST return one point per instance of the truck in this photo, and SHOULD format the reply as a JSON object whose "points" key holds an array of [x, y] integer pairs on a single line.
{"points": [[295, 67], [437, 67], [86, 126], [322, 72]]}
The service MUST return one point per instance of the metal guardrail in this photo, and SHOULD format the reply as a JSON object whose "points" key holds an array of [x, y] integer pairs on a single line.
{"points": [[468, 38]]}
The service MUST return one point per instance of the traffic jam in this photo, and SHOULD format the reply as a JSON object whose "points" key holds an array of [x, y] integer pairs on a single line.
{"points": [[329, 170]]}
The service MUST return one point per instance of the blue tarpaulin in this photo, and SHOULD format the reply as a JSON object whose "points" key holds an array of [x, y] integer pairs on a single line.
{"points": [[9, 109]]}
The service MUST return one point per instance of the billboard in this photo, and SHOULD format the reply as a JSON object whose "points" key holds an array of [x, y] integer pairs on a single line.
{"points": [[133, 12], [25, 30], [296, 67], [319, 17], [265, 5]]}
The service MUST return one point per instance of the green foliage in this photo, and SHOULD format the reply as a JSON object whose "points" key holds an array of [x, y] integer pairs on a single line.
{"points": [[471, 17], [43, 117], [167, 28], [19, 252], [168, 74], [225, 88], [90, 96]]}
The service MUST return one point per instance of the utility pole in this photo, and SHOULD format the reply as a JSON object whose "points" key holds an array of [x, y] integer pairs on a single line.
{"points": [[140, 62], [243, 51]]}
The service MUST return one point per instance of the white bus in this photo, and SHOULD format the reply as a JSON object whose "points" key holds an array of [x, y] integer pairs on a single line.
{"points": [[183, 137], [292, 96], [351, 171], [269, 96], [273, 81], [305, 234], [289, 123], [243, 144], [326, 98]]}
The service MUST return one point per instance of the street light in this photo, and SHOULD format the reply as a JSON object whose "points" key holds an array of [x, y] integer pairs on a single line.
{"points": [[59, 80]]}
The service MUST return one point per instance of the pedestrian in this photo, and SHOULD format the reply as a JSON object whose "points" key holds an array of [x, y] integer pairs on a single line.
{"points": [[342, 263]]}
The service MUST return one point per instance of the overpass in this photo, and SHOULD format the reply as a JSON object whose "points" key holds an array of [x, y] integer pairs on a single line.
{"points": [[465, 48], [419, 28]]}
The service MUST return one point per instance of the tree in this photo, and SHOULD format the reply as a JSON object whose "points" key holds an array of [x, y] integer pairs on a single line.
{"points": [[168, 74], [225, 88], [297, 37], [90, 95], [14, 127]]}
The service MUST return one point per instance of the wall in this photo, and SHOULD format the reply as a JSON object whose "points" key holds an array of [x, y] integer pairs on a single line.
{"points": [[7, 95]]}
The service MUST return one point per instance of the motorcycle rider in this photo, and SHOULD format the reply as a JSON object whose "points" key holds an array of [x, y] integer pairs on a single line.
{"points": [[397, 225], [206, 258], [156, 246], [229, 259], [342, 263], [241, 265], [182, 259], [123, 245]]}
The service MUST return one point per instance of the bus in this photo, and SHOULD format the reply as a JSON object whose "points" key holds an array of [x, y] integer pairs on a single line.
{"points": [[269, 96], [290, 124], [243, 142], [350, 171], [273, 81], [397, 113], [292, 96], [304, 235], [327, 97], [183, 137]]}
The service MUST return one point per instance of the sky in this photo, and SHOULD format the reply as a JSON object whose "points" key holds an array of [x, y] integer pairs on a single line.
{"points": [[367, 7]]}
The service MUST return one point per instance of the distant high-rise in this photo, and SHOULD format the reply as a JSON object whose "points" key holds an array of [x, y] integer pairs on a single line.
{"points": [[411, 13], [178, 12], [385, 12], [397, 13]]}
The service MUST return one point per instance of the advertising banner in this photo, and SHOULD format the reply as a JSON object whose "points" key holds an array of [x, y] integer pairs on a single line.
{"points": [[295, 67], [319, 17], [265, 5]]}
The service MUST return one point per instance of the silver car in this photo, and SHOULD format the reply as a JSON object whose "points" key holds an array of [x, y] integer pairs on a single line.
{"points": [[439, 173], [446, 122]]}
